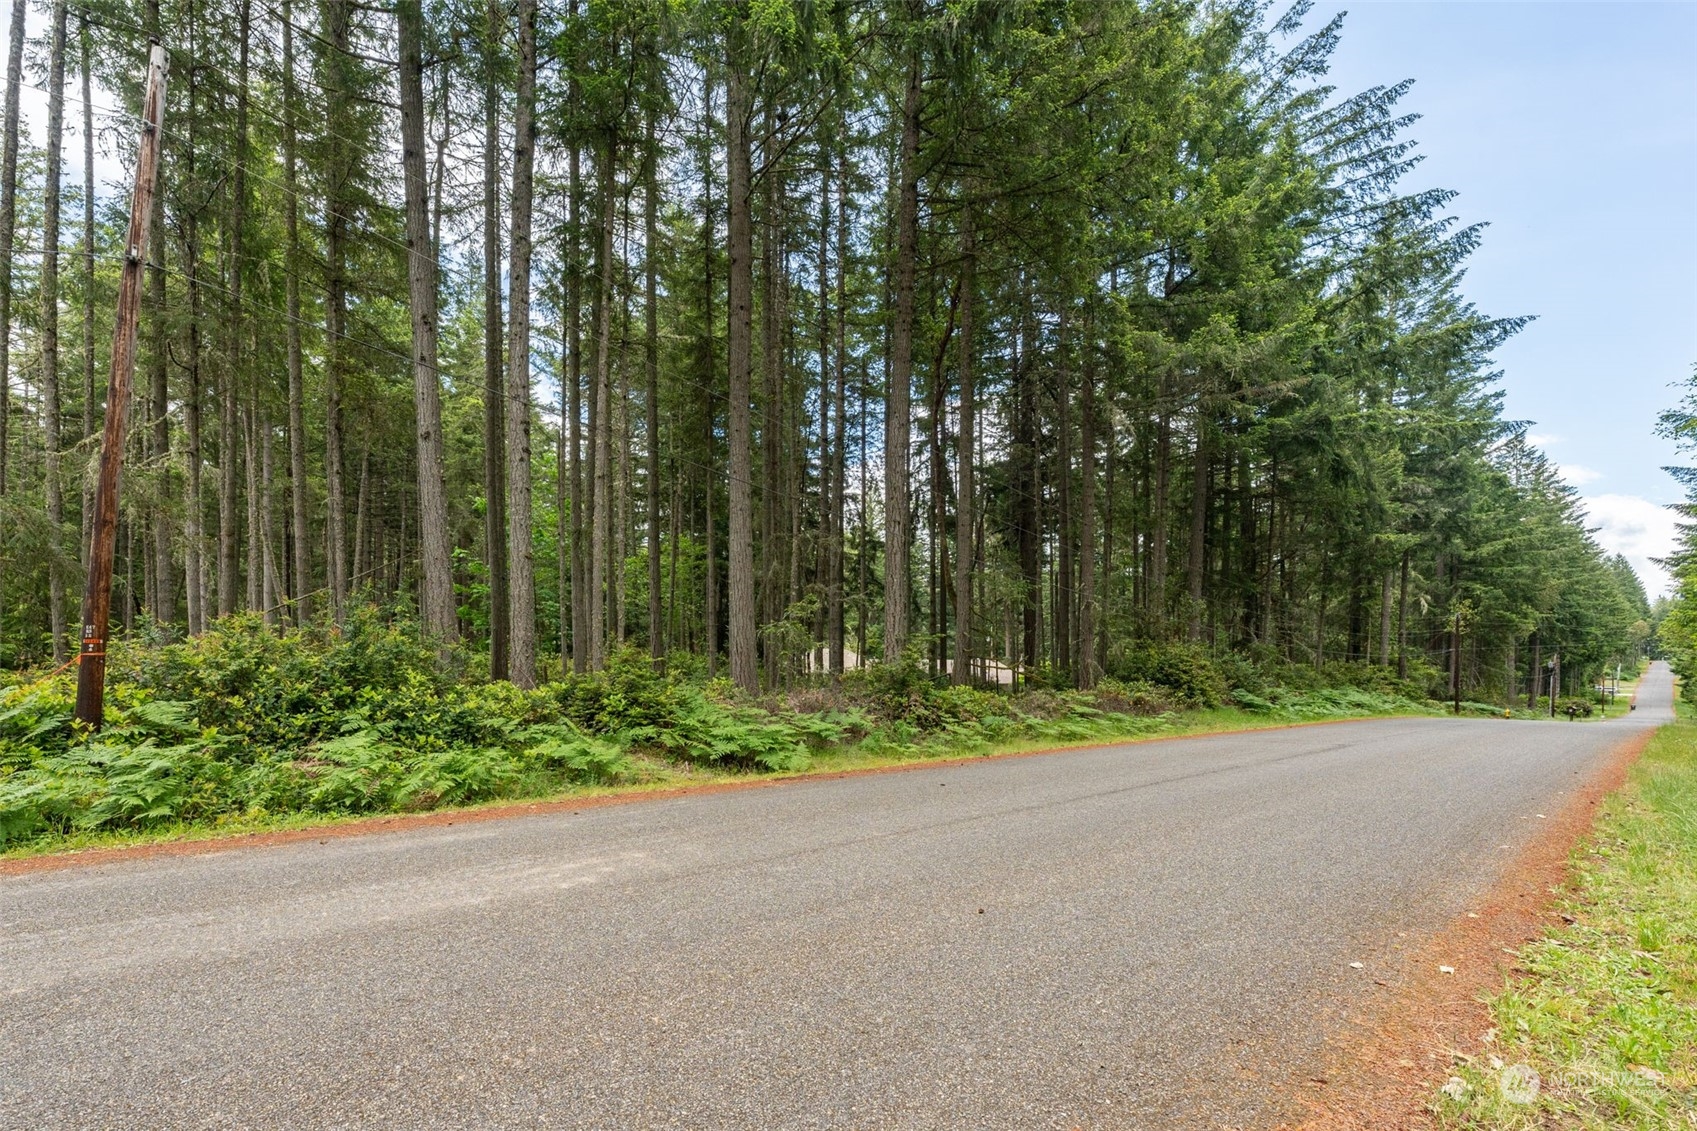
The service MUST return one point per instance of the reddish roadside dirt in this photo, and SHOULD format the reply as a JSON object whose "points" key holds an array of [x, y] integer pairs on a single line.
{"points": [[438, 818], [1386, 1068]]}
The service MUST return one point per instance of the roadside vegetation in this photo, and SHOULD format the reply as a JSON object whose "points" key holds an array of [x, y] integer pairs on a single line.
{"points": [[1142, 370], [243, 728], [1604, 1010]]}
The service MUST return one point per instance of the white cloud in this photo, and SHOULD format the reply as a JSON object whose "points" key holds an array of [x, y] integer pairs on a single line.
{"points": [[1640, 529], [1578, 474], [1543, 439]]}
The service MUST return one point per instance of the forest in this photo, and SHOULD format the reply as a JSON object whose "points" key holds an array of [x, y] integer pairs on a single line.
{"points": [[1015, 343]]}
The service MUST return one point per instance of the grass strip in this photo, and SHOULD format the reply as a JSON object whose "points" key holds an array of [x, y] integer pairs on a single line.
{"points": [[1597, 1028]]}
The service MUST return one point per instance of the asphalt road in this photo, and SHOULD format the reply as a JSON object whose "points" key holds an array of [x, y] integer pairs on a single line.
{"points": [[1144, 936]]}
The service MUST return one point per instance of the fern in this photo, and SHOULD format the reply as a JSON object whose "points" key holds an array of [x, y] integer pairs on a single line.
{"points": [[564, 748], [456, 777], [167, 718]]}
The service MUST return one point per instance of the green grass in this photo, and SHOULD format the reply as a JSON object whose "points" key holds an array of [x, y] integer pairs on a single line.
{"points": [[1605, 1011], [647, 773]]}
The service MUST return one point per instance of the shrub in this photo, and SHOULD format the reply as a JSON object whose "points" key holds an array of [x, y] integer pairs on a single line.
{"points": [[1240, 673], [1324, 703], [627, 695], [1134, 697], [1378, 678], [1183, 669], [34, 720], [904, 691], [1046, 678], [1575, 707], [702, 730], [291, 689]]}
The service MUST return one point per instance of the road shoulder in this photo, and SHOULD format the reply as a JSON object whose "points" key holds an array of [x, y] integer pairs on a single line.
{"points": [[1436, 1018]]}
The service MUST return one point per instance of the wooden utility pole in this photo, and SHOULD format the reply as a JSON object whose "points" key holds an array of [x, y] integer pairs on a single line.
{"points": [[97, 598], [1455, 665], [1537, 672]]}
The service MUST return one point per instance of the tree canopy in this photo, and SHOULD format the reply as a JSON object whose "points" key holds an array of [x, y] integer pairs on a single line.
{"points": [[778, 337]]}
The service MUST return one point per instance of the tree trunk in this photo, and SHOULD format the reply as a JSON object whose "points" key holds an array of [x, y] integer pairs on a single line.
{"points": [[651, 360], [1162, 507], [1320, 609], [522, 599], [234, 362], [961, 670], [1385, 588], [1196, 564], [710, 414], [768, 597], [1402, 622], [834, 569], [494, 415], [827, 468], [574, 365], [1535, 685], [938, 583], [337, 16], [253, 572], [1025, 483], [436, 583], [738, 342], [271, 595], [50, 325], [601, 582], [300, 535], [194, 434], [1106, 592], [8, 225], [1088, 672], [160, 588], [88, 390], [1065, 529], [896, 405], [618, 551], [195, 573], [362, 514]]}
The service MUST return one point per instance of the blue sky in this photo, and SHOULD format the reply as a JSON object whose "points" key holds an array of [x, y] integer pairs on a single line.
{"points": [[1572, 129]]}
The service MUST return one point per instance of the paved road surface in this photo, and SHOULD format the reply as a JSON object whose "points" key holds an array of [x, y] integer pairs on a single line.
{"points": [[1141, 936]]}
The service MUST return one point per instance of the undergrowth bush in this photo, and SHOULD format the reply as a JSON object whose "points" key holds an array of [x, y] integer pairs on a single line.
{"points": [[1134, 697], [243, 723], [1325, 703], [1185, 670], [1576, 707]]}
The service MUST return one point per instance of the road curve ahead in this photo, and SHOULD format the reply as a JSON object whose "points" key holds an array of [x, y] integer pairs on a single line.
{"points": [[1139, 936]]}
